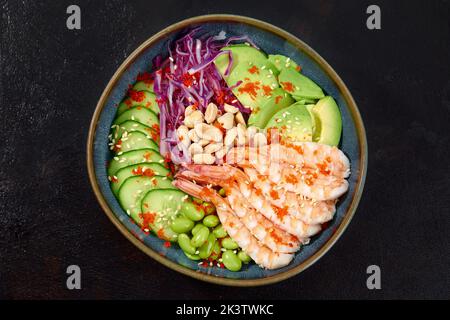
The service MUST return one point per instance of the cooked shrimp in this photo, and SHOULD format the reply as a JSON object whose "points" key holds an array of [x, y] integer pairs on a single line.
{"points": [[317, 184], [325, 159], [278, 216], [305, 209], [262, 228], [261, 254]]}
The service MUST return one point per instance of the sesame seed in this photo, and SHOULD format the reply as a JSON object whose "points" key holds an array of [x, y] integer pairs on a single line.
{"points": [[116, 158]]}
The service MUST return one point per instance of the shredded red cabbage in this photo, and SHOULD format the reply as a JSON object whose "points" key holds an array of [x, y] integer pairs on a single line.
{"points": [[188, 77]]}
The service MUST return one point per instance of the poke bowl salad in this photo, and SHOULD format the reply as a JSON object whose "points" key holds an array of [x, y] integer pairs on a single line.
{"points": [[228, 152]]}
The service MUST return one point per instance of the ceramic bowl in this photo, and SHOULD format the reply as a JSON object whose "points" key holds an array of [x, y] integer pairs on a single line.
{"points": [[272, 40]]}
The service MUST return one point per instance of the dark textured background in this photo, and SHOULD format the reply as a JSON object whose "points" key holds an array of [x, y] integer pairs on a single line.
{"points": [[51, 79]]}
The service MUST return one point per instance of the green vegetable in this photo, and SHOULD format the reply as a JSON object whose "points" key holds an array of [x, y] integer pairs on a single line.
{"points": [[211, 221], [219, 231], [191, 211], [196, 228], [222, 192], [215, 251], [244, 257], [209, 208], [182, 225], [185, 244], [207, 248], [231, 261], [200, 237], [229, 243], [192, 256]]}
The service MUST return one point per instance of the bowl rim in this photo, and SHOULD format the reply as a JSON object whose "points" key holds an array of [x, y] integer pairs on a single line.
{"points": [[299, 44]]}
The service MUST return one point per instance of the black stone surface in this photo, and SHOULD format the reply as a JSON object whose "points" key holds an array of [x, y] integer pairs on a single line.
{"points": [[51, 79]]}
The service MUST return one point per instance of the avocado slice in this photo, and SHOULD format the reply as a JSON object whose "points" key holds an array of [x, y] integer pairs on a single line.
{"points": [[257, 83], [279, 100], [299, 85], [327, 121], [295, 121], [242, 53], [281, 62]]}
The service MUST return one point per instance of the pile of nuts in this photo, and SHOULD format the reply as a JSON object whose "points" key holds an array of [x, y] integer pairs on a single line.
{"points": [[207, 137]]}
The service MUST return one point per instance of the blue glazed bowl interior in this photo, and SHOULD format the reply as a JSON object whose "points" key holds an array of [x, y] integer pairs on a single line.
{"points": [[270, 43]]}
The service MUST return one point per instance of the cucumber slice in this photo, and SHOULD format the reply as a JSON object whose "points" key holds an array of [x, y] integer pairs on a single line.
{"points": [[135, 141], [165, 206], [140, 169], [146, 100], [144, 85], [133, 126], [135, 188], [133, 157], [139, 114]]}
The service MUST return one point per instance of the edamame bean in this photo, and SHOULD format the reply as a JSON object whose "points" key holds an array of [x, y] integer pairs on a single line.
{"points": [[196, 228], [231, 261], [192, 256], [207, 248], [200, 237], [209, 208], [191, 211], [182, 225], [219, 231], [185, 244], [198, 201], [245, 258], [216, 251], [211, 221], [229, 243]]}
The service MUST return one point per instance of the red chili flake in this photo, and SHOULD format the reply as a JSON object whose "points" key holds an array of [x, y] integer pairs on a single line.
{"points": [[298, 68], [205, 264], [291, 179], [149, 173], [159, 100], [275, 236], [137, 96], [137, 172], [148, 104], [167, 244], [278, 99], [195, 105], [281, 212], [323, 168], [267, 90], [274, 195], [219, 126], [250, 88], [258, 192], [138, 107], [155, 127], [247, 79], [145, 205], [118, 146], [220, 97], [128, 102], [148, 218], [161, 234], [187, 79], [254, 70], [288, 86], [328, 159], [114, 179], [147, 155]]}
